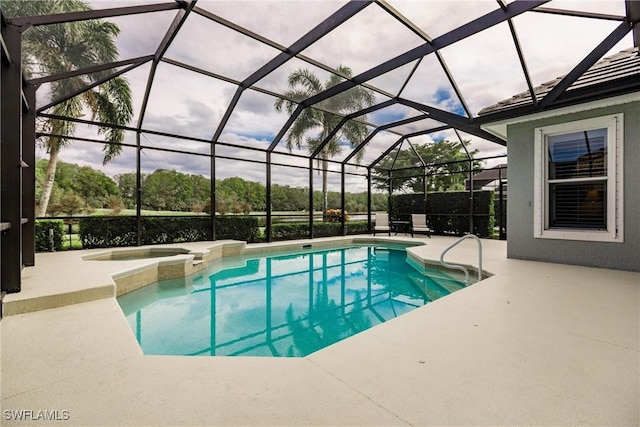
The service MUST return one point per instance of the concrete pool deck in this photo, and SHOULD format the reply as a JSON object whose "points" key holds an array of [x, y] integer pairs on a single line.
{"points": [[535, 344]]}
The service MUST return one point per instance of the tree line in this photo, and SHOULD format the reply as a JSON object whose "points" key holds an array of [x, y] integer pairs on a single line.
{"points": [[82, 189]]}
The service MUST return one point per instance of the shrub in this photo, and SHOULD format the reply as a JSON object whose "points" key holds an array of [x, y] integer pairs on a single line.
{"points": [[327, 229], [335, 215], [115, 204], [300, 230], [237, 228], [71, 204], [42, 227], [358, 227], [290, 231], [158, 230], [104, 232]]}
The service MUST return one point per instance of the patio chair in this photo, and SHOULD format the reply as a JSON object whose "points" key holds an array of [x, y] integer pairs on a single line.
{"points": [[382, 223], [419, 225]]}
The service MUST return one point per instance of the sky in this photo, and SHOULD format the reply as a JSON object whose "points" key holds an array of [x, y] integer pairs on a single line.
{"points": [[485, 67]]}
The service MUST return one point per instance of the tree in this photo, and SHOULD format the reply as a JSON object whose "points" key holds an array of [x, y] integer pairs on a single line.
{"points": [[52, 49], [127, 188], [304, 84], [165, 189], [92, 185], [442, 173], [115, 204], [252, 193], [71, 204]]}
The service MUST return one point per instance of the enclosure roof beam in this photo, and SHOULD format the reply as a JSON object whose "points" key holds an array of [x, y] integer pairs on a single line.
{"points": [[337, 18], [523, 62], [428, 131], [348, 117], [454, 85], [424, 36], [395, 158], [235, 27], [593, 57], [386, 153], [234, 82], [89, 70], [61, 18], [454, 162], [453, 120], [409, 135], [90, 86], [470, 28], [416, 153], [632, 9], [170, 35], [292, 118], [462, 144], [579, 14], [411, 73], [404, 21], [152, 132], [381, 128]]}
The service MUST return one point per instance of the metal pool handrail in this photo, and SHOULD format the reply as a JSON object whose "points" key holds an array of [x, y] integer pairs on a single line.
{"points": [[460, 267]]}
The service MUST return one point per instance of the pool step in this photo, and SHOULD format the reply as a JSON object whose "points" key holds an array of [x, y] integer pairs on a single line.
{"points": [[444, 283], [450, 285]]}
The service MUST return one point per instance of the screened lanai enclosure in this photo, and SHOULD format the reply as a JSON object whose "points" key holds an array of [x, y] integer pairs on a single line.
{"points": [[140, 122]]}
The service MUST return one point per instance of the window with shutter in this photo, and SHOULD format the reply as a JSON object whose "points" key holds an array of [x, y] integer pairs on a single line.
{"points": [[578, 180]]}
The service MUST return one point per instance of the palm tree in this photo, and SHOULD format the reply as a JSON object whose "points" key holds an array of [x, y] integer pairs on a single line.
{"points": [[51, 49], [304, 84]]}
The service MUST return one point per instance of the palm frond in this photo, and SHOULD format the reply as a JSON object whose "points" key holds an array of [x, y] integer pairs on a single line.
{"points": [[69, 108], [354, 133], [113, 105], [305, 78], [305, 122], [291, 100]]}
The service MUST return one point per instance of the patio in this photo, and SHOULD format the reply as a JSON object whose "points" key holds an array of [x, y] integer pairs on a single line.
{"points": [[535, 344]]}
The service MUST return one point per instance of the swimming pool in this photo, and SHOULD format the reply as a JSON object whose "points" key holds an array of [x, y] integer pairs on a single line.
{"points": [[284, 305]]}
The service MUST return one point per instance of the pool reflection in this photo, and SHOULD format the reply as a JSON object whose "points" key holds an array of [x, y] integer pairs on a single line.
{"points": [[289, 306]]}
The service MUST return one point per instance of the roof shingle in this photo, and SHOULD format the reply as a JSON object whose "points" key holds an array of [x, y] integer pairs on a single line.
{"points": [[623, 64]]}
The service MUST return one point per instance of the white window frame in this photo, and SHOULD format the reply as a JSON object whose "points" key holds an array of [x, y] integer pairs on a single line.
{"points": [[615, 221]]}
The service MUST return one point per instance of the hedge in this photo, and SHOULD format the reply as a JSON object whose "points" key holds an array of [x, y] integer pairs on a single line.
{"points": [[42, 234], [237, 228], [300, 230], [448, 212], [101, 232]]}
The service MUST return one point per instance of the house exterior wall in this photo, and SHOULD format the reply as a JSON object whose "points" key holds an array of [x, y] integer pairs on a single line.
{"points": [[520, 221]]}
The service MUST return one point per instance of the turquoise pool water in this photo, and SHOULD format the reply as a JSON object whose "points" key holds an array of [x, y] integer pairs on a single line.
{"points": [[287, 305]]}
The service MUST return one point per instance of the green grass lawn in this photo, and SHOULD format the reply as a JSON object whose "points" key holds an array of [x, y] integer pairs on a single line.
{"points": [[71, 241], [132, 212]]}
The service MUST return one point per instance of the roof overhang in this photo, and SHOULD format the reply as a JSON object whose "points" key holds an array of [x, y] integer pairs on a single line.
{"points": [[499, 128]]}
